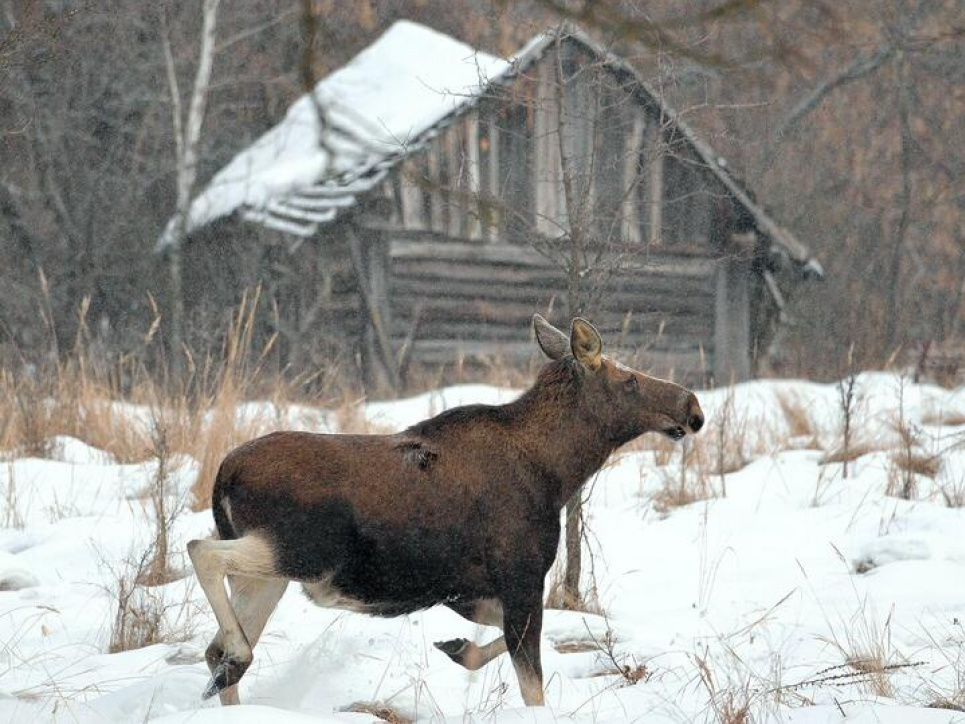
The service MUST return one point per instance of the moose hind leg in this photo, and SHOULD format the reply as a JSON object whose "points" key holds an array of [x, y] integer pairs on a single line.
{"points": [[470, 655], [253, 600], [484, 611], [213, 560]]}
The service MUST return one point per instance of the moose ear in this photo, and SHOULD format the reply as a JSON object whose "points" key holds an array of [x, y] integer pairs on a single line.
{"points": [[586, 343], [552, 341]]}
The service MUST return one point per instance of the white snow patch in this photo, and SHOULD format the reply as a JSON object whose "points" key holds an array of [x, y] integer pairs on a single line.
{"points": [[14, 575], [755, 583], [66, 449]]}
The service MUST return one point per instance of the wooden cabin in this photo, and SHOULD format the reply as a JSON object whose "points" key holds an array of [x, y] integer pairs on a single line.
{"points": [[455, 194]]}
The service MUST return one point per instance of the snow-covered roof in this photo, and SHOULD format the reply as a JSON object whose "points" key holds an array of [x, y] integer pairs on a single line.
{"points": [[391, 99], [401, 85]]}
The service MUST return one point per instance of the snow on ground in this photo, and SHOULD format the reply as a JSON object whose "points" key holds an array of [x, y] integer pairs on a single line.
{"points": [[762, 597]]}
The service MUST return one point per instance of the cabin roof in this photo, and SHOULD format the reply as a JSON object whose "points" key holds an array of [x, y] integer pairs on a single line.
{"points": [[298, 175], [390, 101]]}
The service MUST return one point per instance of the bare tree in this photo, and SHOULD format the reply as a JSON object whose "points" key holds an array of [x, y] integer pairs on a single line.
{"points": [[187, 135]]}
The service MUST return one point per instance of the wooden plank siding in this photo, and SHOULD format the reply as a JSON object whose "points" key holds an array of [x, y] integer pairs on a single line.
{"points": [[462, 270], [659, 314]]}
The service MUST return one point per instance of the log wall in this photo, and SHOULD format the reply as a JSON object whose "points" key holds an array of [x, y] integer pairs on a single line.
{"points": [[475, 300]]}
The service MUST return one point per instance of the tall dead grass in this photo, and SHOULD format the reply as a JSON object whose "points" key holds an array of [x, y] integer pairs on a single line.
{"points": [[142, 612], [685, 482], [118, 404], [697, 468], [910, 461], [801, 430]]}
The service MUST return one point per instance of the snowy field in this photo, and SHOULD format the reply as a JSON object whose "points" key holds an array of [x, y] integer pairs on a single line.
{"points": [[799, 596]]}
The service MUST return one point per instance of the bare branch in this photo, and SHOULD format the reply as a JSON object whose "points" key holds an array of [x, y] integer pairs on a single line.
{"points": [[175, 91], [859, 68]]}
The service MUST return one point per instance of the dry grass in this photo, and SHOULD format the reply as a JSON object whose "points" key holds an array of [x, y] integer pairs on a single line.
{"points": [[556, 596], [909, 462], [730, 440], [799, 423], [348, 414], [495, 369], [165, 508], [697, 468], [116, 405], [112, 404], [662, 448], [726, 444], [953, 491], [949, 418], [850, 453], [12, 515], [680, 490], [685, 482], [730, 704], [946, 692], [850, 400], [917, 463], [381, 711], [142, 615], [630, 671], [138, 616], [870, 659], [904, 469]]}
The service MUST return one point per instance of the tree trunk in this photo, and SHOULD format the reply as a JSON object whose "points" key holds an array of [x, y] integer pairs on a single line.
{"points": [[175, 309], [574, 306], [187, 136], [894, 269], [574, 557]]}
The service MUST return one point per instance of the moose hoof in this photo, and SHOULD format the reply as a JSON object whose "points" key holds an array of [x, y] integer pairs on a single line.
{"points": [[455, 649], [213, 655], [227, 673]]}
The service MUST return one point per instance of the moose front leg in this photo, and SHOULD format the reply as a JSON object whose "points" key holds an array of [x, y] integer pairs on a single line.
{"points": [[522, 626]]}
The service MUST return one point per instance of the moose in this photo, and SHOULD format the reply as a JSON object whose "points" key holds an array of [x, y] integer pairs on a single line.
{"points": [[461, 510]]}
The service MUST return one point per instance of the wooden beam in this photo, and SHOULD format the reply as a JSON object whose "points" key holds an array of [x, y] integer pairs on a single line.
{"points": [[655, 150], [547, 175], [473, 185], [465, 251], [413, 216], [456, 160], [436, 207], [371, 269], [631, 172], [492, 185], [732, 337]]}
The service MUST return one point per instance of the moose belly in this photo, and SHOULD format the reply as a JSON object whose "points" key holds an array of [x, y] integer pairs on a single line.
{"points": [[383, 583], [326, 594]]}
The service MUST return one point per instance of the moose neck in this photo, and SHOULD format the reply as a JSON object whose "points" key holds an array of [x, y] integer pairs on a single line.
{"points": [[555, 432]]}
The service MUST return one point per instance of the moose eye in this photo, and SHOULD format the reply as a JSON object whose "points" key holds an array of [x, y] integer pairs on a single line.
{"points": [[630, 384]]}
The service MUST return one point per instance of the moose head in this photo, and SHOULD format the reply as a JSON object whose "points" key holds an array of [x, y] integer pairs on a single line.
{"points": [[623, 402]]}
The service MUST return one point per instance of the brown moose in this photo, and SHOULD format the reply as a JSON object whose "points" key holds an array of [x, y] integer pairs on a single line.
{"points": [[461, 510]]}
